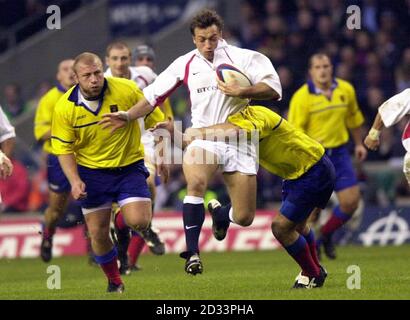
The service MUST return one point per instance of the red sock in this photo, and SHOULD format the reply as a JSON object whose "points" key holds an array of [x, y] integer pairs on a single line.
{"points": [[310, 239], [48, 232], [134, 249], [337, 219], [119, 221], [111, 271], [299, 250]]}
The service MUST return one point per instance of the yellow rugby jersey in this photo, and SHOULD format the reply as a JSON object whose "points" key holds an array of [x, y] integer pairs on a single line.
{"points": [[326, 121], [44, 114], [283, 150], [153, 118], [75, 128]]}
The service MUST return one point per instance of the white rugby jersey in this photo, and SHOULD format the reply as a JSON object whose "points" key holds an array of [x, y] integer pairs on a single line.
{"points": [[393, 110], [142, 75], [6, 129], [209, 105]]}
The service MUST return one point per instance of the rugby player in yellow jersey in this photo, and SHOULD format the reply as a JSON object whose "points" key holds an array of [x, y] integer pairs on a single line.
{"points": [[308, 175], [326, 109], [59, 186], [102, 167]]}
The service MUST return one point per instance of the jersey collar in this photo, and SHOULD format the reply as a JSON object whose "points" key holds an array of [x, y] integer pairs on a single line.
{"points": [[61, 88], [222, 44], [317, 91], [74, 98]]}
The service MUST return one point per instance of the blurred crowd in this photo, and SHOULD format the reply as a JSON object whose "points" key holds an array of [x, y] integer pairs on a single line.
{"points": [[374, 58], [20, 19]]}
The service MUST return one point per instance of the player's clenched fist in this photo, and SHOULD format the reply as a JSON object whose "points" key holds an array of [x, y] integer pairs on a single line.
{"points": [[78, 190]]}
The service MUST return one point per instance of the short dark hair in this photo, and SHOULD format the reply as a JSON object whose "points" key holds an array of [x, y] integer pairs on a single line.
{"points": [[318, 55], [116, 45], [204, 19]]}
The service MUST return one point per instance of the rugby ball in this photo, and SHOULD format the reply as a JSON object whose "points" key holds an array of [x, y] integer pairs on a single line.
{"points": [[228, 73]]}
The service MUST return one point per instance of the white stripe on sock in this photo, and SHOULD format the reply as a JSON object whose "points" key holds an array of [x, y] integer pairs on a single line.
{"points": [[193, 200]]}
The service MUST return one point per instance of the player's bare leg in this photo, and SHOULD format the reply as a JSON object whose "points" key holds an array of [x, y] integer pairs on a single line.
{"points": [[105, 253], [150, 235], [242, 192], [241, 210], [137, 214], [133, 218], [57, 205]]}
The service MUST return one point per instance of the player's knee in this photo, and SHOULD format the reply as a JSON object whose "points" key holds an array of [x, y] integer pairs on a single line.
{"points": [[56, 210], [138, 223], [98, 235], [197, 185], [279, 227], [243, 215], [244, 221], [302, 228]]}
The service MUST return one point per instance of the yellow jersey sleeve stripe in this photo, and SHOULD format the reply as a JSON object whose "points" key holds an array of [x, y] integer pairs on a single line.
{"points": [[86, 125], [59, 139], [277, 126]]}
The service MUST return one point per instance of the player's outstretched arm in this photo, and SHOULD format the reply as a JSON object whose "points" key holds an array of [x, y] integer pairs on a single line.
{"points": [[372, 140], [217, 132], [180, 140], [120, 119], [259, 91]]}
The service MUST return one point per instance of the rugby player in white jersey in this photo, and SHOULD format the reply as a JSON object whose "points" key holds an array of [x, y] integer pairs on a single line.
{"points": [[210, 106], [390, 113]]}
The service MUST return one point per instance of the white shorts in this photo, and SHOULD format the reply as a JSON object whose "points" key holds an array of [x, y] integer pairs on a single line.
{"points": [[229, 157]]}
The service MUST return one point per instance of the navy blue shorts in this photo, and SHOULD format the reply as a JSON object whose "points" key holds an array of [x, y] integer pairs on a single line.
{"points": [[56, 178], [312, 190], [345, 174], [113, 185]]}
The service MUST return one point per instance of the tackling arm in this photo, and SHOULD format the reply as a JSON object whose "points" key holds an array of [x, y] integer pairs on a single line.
{"points": [[259, 91]]}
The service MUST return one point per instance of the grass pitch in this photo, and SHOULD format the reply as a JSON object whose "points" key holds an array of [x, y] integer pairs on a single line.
{"points": [[265, 275]]}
